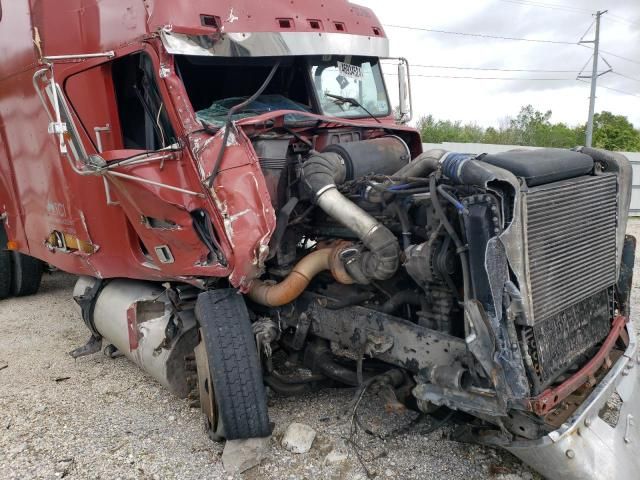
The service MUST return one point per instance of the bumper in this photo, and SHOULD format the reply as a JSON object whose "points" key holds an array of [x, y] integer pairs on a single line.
{"points": [[585, 446]]}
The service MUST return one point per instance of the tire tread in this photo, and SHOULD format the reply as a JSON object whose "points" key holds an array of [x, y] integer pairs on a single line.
{"points": [[233, 361]]}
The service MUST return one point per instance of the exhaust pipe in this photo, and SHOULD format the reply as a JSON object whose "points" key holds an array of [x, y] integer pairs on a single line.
{"points": [[278, 294], [321, 173]]}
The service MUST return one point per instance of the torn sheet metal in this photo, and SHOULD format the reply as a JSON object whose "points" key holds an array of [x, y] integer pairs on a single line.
{"points": [[586, 446]]}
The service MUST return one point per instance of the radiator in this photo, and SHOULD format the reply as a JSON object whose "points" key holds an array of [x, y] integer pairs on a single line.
{"points": [[570, 230], [558, 341]]}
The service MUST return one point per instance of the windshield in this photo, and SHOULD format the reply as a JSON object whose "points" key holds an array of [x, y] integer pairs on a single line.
{"points": [[357, 78]]}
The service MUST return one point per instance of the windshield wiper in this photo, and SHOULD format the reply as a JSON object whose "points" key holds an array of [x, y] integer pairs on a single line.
{"points": [[353, 102]]}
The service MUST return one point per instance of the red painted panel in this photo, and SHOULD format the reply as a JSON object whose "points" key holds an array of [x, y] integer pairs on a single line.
{"points": [[40, 193]]}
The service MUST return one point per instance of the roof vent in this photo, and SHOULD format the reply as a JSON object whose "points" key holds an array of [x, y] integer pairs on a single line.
{"points": [[210, 21]]}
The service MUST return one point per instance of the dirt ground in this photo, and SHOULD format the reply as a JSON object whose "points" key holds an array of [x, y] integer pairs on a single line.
{"points": [[97, 417]]}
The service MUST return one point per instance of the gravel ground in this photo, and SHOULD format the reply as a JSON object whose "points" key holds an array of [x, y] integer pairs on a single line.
{"points": [[96, 417]]}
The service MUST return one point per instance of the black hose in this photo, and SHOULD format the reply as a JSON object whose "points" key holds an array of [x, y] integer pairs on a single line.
{"points": [[452, 200], [229, 123], [403, 218], [461, 249], [348, 300], [401, 298]]}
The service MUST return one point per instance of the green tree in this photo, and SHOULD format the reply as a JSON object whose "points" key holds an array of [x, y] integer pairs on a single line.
{"points": [[615, 132], [534, 128]]}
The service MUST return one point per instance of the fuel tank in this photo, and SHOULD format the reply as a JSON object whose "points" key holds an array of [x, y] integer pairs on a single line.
{"points": [[139, 319]]}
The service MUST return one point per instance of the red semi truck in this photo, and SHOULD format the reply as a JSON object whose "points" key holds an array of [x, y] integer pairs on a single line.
{"points": [[231, 185]]}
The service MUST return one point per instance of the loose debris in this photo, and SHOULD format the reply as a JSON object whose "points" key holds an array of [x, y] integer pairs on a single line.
{"points": [[298, 438], [241, 455]]}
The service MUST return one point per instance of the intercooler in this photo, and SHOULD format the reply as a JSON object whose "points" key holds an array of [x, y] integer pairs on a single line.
{"points": [[570, 231]]}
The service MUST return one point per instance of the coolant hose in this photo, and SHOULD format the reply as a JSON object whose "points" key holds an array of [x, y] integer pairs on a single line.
{"points": [[321, 173], [461, 249]]}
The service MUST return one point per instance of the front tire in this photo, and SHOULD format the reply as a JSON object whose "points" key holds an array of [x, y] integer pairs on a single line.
{"points": [[232, 393]]}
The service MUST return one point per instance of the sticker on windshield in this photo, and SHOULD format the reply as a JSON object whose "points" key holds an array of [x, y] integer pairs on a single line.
{"points": [[350, 71]]}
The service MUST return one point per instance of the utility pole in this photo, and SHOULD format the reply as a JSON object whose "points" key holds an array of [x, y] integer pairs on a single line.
{"points": [[594, 76]]}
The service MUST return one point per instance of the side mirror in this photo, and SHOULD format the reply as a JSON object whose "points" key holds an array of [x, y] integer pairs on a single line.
{"points": [[404, 91]]}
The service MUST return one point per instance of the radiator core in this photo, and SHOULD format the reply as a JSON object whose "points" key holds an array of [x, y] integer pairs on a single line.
{"points": [[570, 242]]}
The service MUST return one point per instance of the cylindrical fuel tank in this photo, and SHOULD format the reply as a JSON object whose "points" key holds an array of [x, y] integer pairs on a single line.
{"points": [[382, 156], [134, 316]]}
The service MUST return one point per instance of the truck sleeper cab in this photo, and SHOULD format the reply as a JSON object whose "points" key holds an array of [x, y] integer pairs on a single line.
{"points": [[234, 190]]}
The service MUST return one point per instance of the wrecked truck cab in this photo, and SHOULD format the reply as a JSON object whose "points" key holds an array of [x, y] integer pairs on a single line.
{"points": [[235, 192]]}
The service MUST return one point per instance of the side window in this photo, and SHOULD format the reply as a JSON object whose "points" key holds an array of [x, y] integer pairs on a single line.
{"points": [[144, 122], [119, 105]]}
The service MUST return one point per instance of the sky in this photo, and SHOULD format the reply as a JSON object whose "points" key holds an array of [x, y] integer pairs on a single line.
{"points": [[490, 102]]}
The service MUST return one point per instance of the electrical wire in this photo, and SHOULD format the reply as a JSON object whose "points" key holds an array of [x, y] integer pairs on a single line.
{"points": [[620, 56], [618, 18], [552, 6], [494, 69], [499, 37], [570, 9], [520, 78], [487, 78], [625, 76], [481, 35], [612, 89]]}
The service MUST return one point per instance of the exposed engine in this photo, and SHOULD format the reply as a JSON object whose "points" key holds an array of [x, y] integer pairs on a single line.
{"points": [[420, 263]]}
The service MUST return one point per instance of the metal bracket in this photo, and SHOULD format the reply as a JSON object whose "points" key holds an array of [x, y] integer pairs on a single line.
{"points": [[87, 303], [98, 131]]}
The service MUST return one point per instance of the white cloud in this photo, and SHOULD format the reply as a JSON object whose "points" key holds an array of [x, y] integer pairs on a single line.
{"points": [[487, 101]]}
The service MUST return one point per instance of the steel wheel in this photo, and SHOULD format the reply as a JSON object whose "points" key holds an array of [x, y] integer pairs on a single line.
{"points": [[208, 405]]}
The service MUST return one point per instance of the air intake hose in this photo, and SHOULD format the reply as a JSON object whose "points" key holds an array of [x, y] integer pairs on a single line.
{"points": [[423, 165], [320, 174]]}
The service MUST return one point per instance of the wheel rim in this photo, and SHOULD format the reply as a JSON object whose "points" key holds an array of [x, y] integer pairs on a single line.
{"points": [[205, 387]]}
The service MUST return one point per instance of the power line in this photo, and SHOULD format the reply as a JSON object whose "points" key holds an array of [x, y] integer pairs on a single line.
{"points": [[481, 35], [496, 69], [498, 37], [552, 6], [618, 18], [625, 76], [620, 91], [568, 9], [519, 78], [613, 89], [620, 57], [486, 78]]}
